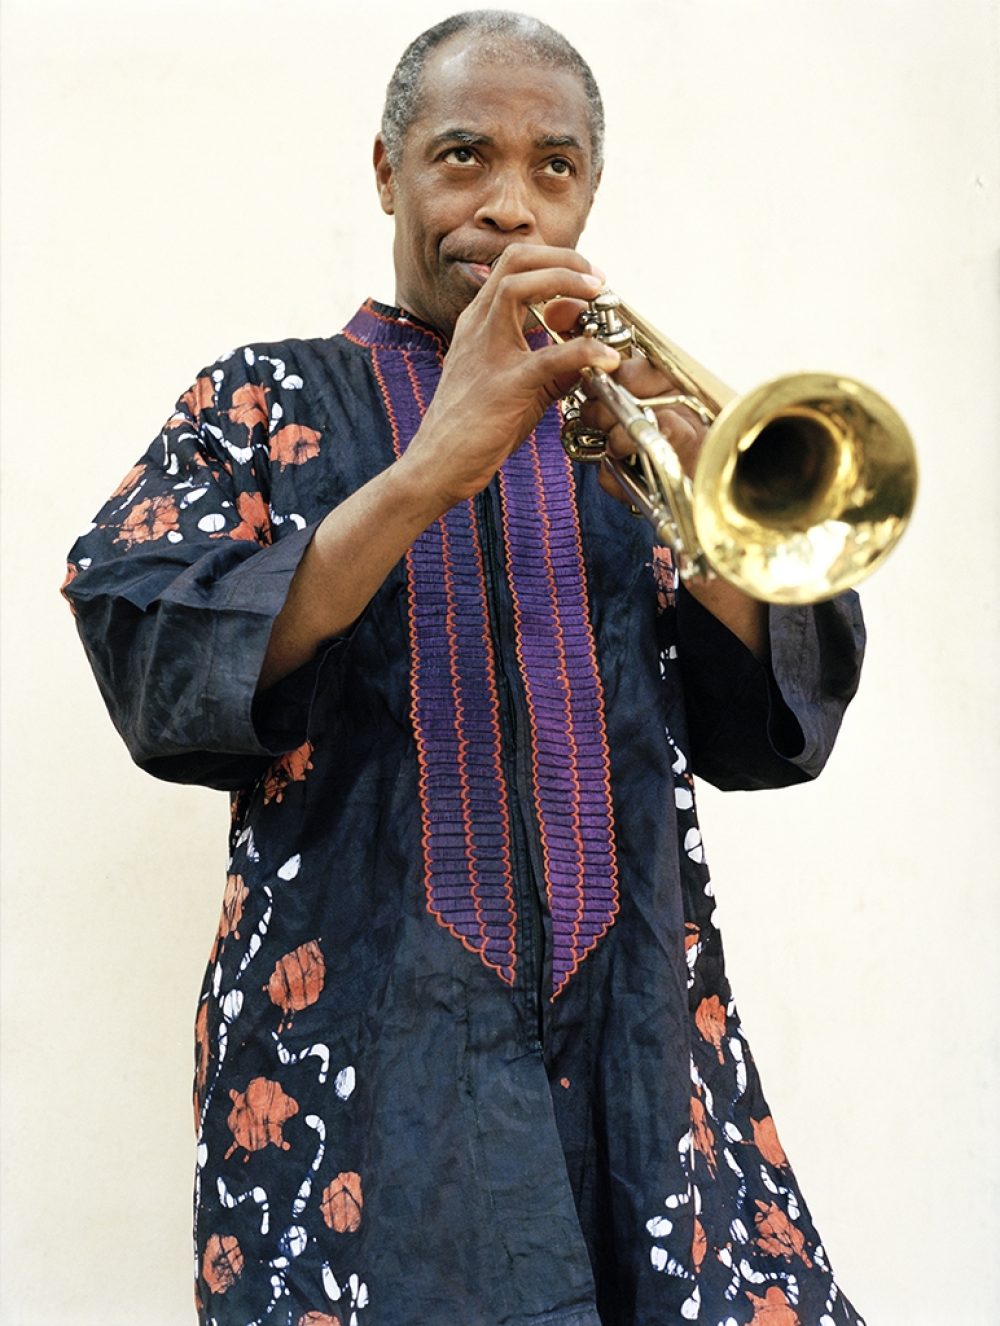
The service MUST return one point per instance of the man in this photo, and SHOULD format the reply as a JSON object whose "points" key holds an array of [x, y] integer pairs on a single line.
{"points": [[466, 1052]]}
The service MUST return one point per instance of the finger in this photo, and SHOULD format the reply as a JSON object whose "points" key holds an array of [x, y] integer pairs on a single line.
{"points": [[620, 444], [645, 379], [680, 428], [684, 431], [557, 368], [534, 257], [611, 485], [597, 415], [563, 315], [683, 436], [514, 291]]}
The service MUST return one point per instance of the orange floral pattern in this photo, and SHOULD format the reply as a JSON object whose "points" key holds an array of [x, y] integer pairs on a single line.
{"points": [[199, 397], [664, 577], [343, 1203], [259, 1115], [249, 407], [298, 978], [202, 1058], [233, 902], [153, 518], [131, 479], [765, 1139], [294, 444], [777, 1235], [255, 519], [710, 1019], [291, 768], [222, 1264], [699, 1245], [773, 1309]]}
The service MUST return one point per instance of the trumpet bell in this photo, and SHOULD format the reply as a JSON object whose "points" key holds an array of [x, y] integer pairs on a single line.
{"points": [[803, 487]]}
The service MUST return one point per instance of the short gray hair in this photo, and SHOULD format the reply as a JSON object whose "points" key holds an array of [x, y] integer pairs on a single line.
{"points": [[498, 30]]}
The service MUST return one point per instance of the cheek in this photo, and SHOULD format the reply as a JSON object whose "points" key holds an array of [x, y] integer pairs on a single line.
{"points": [[421, 239], [562, 223], [413, 249]]}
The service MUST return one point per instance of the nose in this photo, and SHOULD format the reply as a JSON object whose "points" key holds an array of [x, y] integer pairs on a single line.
{"points": [[506, 204]]}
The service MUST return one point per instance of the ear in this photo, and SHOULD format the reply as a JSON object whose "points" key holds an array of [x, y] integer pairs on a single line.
{"points": [[384, 178], [594, 184]]}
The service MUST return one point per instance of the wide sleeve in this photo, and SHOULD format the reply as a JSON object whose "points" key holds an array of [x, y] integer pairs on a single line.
{"points": [[176, 586], [755, 725]]}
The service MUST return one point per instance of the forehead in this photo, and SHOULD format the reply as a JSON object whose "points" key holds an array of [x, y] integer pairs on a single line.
{"points": [[496, 89]]}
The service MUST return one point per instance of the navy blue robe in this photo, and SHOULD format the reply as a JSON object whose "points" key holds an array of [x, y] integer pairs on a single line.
{"points": [[466, 1054]]}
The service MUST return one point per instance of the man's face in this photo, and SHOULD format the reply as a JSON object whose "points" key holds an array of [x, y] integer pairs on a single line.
{"points": [[500, 154]]}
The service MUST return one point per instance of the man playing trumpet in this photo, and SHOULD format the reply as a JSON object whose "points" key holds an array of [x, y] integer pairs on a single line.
{"points": [[466, 1051]]}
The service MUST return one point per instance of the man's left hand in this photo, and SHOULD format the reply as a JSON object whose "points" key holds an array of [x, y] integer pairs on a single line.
{"points": [[684, 430], [680, 426]]}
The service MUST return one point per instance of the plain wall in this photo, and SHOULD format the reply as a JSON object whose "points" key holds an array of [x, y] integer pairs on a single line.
{"points": [[788, 185]]}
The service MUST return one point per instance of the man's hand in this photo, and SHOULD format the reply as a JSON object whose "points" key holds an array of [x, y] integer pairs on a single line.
{"points": [[685, 431], [682, 428], [494, 387]]}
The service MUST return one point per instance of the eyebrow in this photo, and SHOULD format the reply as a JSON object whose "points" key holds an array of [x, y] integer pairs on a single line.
{"points": [[464, 136], [559, 140], [469, 138]]}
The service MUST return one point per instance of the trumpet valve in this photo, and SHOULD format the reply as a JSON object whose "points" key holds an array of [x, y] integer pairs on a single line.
{"points": [[601, 319], [580, 442]]}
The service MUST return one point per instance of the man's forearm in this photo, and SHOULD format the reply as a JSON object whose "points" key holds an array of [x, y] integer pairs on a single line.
{"points": [[744, 616], [353, 550]]}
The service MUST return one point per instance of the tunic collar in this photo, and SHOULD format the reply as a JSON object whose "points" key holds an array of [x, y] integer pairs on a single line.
{"points": [[383, 325], [377, 324]]}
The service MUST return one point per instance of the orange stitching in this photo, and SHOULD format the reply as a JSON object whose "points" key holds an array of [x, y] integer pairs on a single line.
{"points": [[472, 852], [578, 957]]}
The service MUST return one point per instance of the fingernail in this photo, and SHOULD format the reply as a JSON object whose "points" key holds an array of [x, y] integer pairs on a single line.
{"points": [[599, 274]]}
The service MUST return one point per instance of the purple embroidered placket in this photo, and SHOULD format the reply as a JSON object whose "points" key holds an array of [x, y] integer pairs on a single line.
{"points": [[455, 705]]}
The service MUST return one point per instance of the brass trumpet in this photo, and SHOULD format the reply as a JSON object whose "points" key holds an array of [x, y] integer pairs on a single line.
{"points": [[802, 487]]}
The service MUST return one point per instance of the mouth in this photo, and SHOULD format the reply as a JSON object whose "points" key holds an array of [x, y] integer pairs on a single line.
{"points": [[477, 261], [476, 272]]}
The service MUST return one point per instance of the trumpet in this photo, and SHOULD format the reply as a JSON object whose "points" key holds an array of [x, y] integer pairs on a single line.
{"points": [[802, 487]]}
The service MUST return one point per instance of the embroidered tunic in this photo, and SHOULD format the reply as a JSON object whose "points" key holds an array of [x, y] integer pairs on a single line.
{"points": [[466, 1054]]}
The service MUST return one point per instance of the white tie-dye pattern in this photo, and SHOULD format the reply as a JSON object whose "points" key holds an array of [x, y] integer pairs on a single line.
{"points": [[257, 1195], [355, 1291], [318, 1051]]}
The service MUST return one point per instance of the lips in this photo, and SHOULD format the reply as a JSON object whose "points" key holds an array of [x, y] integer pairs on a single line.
{"points": [[476, 264], [477, 272]]}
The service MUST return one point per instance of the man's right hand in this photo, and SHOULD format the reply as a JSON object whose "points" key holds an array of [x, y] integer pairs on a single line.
{"points": [[494, 388]]}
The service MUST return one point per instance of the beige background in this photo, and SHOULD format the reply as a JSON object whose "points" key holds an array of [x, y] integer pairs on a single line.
{"points": [[789, 185]]}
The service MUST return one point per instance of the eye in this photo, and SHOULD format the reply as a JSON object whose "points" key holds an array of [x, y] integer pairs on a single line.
{"points": [[459, 156], [561, 167]]}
